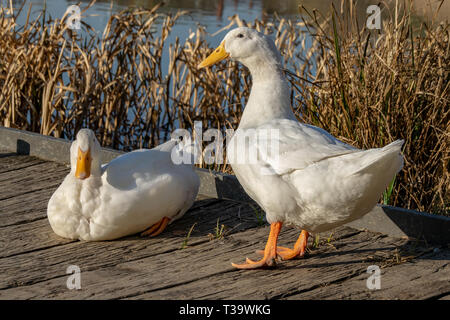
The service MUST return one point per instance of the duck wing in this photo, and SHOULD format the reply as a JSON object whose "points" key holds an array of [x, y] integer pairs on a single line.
{"points": [[285, 145]]}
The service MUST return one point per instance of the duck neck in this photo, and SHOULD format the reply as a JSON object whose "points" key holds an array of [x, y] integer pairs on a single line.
{"points": [[269, 97]]}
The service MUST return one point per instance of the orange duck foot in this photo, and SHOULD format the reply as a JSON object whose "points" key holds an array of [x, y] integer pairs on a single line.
{"points": [[298, 251], [157, 228], [270, 251]]}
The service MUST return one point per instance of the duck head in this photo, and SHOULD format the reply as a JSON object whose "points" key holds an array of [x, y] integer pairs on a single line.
{"points": [[85, 155], [253, 49]]}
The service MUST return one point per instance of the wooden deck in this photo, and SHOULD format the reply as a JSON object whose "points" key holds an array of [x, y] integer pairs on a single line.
{"points": [[33, 260]]}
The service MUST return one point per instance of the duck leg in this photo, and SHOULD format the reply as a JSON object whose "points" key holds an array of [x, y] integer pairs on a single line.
{"points": [[270, 251], [298, 251], [157, 228]]}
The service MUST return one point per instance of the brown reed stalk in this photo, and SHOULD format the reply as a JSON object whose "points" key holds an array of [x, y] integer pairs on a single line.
{"points": [[367, 88]]}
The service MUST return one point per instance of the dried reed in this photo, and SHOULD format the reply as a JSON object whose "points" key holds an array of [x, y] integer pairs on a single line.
{"points": [[366, 88]]}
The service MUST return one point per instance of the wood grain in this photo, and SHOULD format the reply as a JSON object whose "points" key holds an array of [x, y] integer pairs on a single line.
{"points": [[34, 260]]}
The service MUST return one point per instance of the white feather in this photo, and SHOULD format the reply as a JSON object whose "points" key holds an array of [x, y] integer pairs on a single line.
{"points": [[303, 175], [123, 197]]}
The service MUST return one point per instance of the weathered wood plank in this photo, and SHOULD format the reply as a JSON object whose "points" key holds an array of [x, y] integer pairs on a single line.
{"points": [[322, 266], [30, 179], [34, 260], [26, 207], [423, 278], [40, 265], [204, 271], [11, 161], [27, 237], [139, 269]]}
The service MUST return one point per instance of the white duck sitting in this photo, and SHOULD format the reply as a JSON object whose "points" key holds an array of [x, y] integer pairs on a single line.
{"points": [[302, 175], [136, 191]]}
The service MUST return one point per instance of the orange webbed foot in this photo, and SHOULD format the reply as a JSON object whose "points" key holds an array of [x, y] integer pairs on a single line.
{"points": [[250, 264], [270, 253], [157, 228], [298, 251]]}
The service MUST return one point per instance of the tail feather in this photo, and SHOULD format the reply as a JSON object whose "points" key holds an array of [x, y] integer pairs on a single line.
{"points": [[397, 144], [382, 158]]}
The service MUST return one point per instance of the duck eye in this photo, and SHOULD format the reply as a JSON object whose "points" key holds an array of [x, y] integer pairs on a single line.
{"points": [[240, 35]]}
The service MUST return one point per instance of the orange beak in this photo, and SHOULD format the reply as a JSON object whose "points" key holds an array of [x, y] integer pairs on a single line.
{"points": [[216, 56], [84, 160]]}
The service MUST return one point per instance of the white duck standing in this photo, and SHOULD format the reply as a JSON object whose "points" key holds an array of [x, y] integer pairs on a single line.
{"points": [[137, 191], [302, 175]]}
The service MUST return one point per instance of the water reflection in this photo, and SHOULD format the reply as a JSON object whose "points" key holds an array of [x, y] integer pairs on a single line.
{"points": [[214, 14]]}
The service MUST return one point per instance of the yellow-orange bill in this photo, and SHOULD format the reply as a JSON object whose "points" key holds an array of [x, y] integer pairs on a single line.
{"points": [[217, 55], [83, 169]]}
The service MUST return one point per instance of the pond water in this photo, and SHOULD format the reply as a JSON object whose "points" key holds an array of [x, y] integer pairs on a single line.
{"points": [[213, 14], [209, 13]]}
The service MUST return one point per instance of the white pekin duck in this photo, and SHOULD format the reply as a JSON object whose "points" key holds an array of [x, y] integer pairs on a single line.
{"points": [[137, 191], [301, 174]]}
